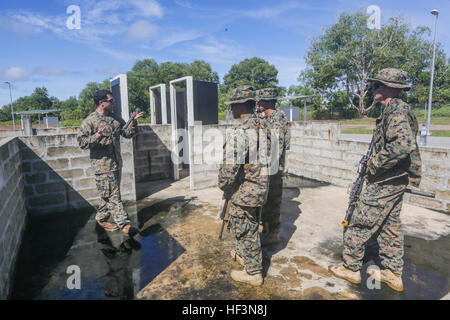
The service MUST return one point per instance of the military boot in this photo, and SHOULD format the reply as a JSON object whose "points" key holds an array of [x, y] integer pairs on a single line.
{"points": [[346, 274], [270, 239], [243, 276], [237, 257], [393, 280]]}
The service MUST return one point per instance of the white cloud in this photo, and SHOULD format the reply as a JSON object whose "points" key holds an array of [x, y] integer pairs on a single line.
{"points": [[141, 30], [50, 71], [216, 51], [148, 8], [14, 73]]}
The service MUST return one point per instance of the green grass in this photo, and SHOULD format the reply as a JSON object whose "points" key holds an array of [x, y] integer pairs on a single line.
{"points": [[366, 131], [357, 131]]}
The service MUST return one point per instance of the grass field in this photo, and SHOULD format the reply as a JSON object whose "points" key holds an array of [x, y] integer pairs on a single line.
{"points": [[367, 131]]}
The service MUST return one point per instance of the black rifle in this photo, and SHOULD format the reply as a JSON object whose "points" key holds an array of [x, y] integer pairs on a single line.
{"points": [[225, 215], [135, 112], [357, 186]]}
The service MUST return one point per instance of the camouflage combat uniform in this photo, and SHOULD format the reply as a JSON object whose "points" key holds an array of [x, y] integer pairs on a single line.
{"points": [[246, 185], [106, 161], [280, 124], [395, 162]]}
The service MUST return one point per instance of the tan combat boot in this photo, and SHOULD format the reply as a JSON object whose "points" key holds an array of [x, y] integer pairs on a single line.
{"points": [[346, 274], [243, 276], [237, 257], [270, 239], [393, 280]]}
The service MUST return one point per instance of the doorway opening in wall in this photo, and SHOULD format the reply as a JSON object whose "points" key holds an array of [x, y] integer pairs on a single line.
{"points": [[181, 102]]}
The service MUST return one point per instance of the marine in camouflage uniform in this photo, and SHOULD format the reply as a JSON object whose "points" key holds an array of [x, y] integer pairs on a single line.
{"points": [[106, 161], [245, 184], [394, 164], [275, 123]]}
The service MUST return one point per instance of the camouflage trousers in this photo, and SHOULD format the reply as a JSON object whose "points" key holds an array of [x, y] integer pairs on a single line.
{"points": [[108, 185], [244, 224], [271, 211], [377, 212]]}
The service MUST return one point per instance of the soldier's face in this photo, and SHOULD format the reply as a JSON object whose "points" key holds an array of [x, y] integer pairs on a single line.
{"points": [[265, 104], [108, 105], [379, 91]]}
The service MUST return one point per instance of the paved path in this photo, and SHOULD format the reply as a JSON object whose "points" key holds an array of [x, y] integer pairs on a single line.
{"points": [[437, 142]]}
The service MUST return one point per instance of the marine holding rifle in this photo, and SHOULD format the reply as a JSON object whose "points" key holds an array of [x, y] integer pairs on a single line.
{"points": [[100, 133], [244, 184], [394, 163]]}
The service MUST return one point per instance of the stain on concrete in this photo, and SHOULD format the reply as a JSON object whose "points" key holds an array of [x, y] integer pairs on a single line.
{"points": [[305, 263]]}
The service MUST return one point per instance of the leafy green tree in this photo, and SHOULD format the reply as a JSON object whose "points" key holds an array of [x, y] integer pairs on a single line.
{"points": [[255, 71], [348, 53], [201, 70]]}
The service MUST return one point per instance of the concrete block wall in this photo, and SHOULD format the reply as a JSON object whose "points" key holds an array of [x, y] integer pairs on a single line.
{"points": [[12, 211], [318, 153], [152, 156], [207, 155], [58, 176]]}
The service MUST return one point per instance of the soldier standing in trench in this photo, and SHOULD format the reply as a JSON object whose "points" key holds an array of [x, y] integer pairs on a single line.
{"points": [[274, 122], [395, 162], [100, 133], [244, 182]]}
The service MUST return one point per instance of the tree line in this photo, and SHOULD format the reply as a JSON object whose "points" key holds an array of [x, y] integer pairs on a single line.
{"points": [[338, 64]]}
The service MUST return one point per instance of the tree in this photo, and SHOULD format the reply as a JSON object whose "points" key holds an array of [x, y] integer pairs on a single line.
{"points": [[255, 71], [349, 53], [201, 70]]}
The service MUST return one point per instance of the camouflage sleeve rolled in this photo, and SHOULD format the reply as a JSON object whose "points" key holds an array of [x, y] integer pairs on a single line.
{"points": [[399, 143], [86, 139], [287, 137], [130, 131]]}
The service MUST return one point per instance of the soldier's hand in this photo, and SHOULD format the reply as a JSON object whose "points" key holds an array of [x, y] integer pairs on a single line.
{"points": [[138, 115], [100, 132]]}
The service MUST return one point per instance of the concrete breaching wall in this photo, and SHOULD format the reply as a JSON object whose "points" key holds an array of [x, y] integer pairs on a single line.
{"points": [[58, 176], [152, 155], [12, 211], [318, 153]]}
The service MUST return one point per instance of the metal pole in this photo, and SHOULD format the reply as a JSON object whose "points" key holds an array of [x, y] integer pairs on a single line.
{"points": [[12, 110], [304, 112], [436, 13]]}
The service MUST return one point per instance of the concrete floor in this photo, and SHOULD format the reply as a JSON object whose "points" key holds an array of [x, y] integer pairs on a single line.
{"points": [[181, 257], [297, 268]]}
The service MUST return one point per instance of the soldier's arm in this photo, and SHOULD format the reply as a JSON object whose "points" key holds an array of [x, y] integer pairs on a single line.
{"points": [[130, 131], [228, 172], [86, 138], [400, 142]]}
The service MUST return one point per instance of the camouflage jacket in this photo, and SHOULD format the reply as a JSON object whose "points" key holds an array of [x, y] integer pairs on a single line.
{"points": [[280, 122], [105, 150], [395, 151], [246, 181]]}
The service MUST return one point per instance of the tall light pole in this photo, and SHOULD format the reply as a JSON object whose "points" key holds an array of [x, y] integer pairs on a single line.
{"points": [[435, 13], [12, 111]]}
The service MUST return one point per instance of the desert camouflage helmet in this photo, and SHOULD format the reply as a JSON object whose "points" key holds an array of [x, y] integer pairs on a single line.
{"points": [[267, 94], [241, 94], [391, 77]]}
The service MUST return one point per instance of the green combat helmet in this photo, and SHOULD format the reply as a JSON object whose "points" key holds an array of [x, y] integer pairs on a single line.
{"points": [[241, 94], [391, 77], [267, 94]]}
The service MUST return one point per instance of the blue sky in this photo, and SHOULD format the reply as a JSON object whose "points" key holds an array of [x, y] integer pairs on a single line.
{"points": [[39, 50]]}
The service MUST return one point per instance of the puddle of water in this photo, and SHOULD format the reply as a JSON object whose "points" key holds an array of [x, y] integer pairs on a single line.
{"points": [[109, 267], [426, 275]]}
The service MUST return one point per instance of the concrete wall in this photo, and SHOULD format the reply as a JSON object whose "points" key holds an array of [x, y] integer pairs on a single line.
{"points": [[207, 155], [12, 211], [38, 131], [58, 176], [318, 153], [152, 156]]}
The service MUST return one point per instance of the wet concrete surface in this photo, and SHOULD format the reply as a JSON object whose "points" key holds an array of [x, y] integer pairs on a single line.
{"points": [[180, 256]]}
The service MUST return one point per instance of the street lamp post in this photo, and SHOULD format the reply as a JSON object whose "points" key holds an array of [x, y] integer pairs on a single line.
{"points": [[12, 111], [435, 13]]}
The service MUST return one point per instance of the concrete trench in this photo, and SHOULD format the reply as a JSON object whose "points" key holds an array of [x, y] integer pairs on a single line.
{"points": [[181, 257]]}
